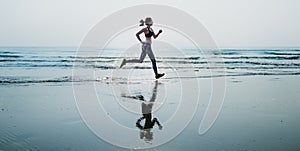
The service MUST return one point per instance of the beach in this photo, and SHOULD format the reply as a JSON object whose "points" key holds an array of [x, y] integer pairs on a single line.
{"points": [[40, 107]]}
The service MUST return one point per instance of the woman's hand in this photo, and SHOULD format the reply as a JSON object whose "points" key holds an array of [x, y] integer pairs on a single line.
{"points": [[155, 36]]}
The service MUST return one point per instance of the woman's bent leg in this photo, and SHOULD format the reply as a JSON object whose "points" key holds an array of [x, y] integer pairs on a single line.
{"points": [[142, 56]]}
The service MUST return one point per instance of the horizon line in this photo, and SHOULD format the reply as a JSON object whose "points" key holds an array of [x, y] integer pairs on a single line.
{"points": [[249, 47]]}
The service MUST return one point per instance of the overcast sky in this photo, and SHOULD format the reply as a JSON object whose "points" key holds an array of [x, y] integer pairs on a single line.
{"points": [[232, 23]]}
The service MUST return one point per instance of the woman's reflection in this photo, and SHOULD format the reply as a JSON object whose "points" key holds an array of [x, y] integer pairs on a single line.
{"points": [[149, 123]]}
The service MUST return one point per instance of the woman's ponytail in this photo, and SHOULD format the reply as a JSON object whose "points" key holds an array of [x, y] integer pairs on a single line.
{"points": [[142, 22]]}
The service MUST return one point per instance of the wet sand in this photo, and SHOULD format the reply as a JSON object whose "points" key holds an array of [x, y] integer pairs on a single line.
{"points": [[259, 113]]}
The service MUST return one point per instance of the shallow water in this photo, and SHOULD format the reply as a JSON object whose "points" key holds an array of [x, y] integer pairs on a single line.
{"points": [[29, 65]]}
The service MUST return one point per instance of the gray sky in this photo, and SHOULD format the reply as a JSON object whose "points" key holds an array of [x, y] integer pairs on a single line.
{"points": [[232, 23]]}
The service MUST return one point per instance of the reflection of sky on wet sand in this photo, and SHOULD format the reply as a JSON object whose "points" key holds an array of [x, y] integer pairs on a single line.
{"points": [[254, 117], [250, 112]]}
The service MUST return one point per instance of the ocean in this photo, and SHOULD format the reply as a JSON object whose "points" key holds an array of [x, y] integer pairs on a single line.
{"points": [[53, 65]]}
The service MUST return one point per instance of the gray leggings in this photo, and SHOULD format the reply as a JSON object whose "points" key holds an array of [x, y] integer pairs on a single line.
{"points": [[146, 50]]}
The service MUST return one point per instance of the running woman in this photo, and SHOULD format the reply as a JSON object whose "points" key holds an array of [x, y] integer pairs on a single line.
{"points": [[146, 46]]}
